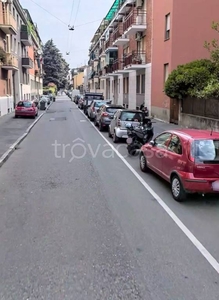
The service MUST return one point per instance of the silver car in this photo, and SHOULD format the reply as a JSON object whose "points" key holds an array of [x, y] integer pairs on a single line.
{"points": [[104, 115], [92, 109], [117, 127]]}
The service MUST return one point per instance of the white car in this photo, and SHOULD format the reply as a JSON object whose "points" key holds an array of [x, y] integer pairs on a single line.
{"points": [[117, 127]]}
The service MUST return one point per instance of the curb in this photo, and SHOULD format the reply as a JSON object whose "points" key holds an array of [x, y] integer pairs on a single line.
{"points": [[13, 147]]}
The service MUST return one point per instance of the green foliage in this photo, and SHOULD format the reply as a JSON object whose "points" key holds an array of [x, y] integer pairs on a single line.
{"points": [[199, 78], [213, 46], [211, 90], [2, 55], [189, 79], [55, 67]]}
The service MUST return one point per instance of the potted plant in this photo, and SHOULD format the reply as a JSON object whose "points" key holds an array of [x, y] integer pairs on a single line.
{"points": [[2, 56]]}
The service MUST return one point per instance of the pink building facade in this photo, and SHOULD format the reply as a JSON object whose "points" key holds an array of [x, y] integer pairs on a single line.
{"points": [[180, 29]]}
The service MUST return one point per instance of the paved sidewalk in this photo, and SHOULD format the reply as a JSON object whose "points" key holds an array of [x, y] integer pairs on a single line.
{"points": [[11, 129], [160, 126]]}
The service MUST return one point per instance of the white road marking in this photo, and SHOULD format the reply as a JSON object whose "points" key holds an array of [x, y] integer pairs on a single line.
{"points": [[83, 120], [207, 255]]}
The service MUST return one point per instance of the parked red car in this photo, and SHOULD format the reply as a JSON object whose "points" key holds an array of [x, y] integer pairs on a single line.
{"points": [[187, 158], [26, 108]]}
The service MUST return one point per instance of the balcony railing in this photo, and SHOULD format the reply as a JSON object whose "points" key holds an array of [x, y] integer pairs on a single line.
{"points": [[8, 23], [10, 62], [109, 69], [135, 17], [25, 37], [109, 43], [117, 65], [135, 58], [118, 32], [27, 63]]}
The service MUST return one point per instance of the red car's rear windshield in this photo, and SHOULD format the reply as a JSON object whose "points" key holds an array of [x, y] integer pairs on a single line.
{"points": [[24, 104], [205, 150]]}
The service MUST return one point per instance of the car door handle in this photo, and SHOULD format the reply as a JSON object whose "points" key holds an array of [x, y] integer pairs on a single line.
{"points": [[160, 154]]}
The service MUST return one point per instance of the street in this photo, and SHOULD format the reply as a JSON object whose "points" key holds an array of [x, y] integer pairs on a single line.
{"points": [[11, 129], [76, 222]]}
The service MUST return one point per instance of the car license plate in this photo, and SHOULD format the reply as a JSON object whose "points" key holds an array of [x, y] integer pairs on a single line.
{"points": [[215, 186]]}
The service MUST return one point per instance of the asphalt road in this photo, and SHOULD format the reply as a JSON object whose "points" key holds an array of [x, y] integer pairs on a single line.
{"points": [[76, 222]]}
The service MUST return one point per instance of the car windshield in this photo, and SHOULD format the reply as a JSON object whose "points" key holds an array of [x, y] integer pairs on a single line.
{"points": [[205, 150], [112, 110], [93, 97], [131, 116], [98, 104]]}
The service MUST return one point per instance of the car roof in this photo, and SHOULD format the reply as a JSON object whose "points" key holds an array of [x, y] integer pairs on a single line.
{"points": [[114, 105], [98, 94], [195, 133]]}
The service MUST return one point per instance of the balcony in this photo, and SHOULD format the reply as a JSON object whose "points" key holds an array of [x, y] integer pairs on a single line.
{"points": [[118, 31], [135, 60], [102, 51], [10, 62], [8, 24], [109, 69], [117, 65], [27, 63], [135, 22], [25, 36], [109, 46]]}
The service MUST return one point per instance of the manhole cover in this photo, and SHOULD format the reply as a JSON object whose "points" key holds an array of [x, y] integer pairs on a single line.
{"points": [[58, 119]]}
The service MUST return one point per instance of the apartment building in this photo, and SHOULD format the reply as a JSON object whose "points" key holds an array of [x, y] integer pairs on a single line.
{"points": [[16, 43], [180, 29], [120, 54], [34, 58]]}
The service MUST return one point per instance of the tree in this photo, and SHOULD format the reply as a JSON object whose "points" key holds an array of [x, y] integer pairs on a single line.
{"points": [[55, 67], [213, 46], [190, 79]]}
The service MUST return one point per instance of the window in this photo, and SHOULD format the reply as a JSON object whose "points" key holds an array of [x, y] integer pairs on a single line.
{"points": [[131, 116], [175, 145], [138, 84], [205, 150], [111, 110], [162, 140], [15, 46], [13, 12], [167, 27], [166, 72], [143, 84]]}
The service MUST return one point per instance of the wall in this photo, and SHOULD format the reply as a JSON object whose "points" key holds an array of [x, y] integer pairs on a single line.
{"points": [[32, 56], [192, 21], [161, 54], [78, 79], [6, 105], [197, 122], [190, 27]]}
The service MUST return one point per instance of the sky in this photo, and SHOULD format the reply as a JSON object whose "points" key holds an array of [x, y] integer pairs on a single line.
{"points": [[53, 17]]}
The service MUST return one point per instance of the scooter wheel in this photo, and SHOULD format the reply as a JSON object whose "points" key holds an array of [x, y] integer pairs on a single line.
{"points": [[133, 150]]}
